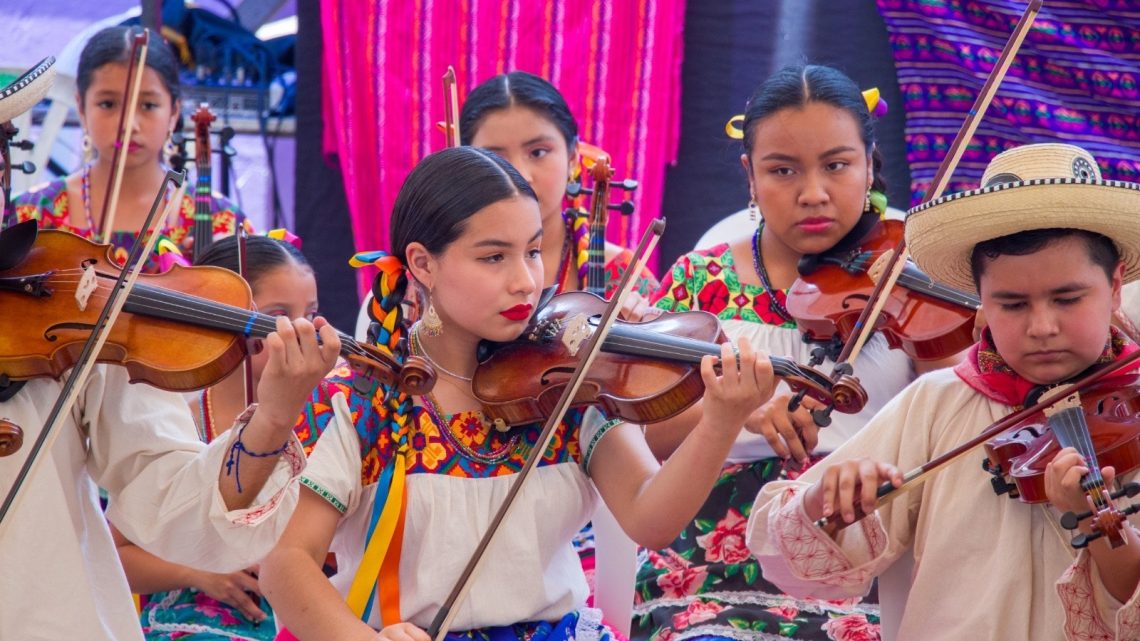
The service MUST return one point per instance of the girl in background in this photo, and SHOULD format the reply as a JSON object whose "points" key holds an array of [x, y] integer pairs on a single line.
{"points": [[185, 603]]}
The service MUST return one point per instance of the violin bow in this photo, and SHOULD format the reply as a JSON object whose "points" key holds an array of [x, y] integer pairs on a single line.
{"points": [[450, 108], [442, 622], [866, 323], [116, 298], [887, 491], [135, 69]]}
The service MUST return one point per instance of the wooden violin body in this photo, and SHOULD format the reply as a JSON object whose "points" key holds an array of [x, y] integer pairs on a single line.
{"points": [[1017, 458], [181, 330], [926, 320], [647, 372]]}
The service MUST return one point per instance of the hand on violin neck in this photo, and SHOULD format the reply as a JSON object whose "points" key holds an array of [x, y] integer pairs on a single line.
{"points": [[849, 489], [744, 382], [1063, 476], [296, 364], [790, 434]]}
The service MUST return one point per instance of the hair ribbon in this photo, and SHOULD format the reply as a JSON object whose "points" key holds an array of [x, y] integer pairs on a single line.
{"points": [[871, 97]]}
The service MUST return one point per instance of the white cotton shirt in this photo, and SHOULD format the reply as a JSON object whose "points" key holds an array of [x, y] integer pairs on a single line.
{"points": [[60, 576], [882, 372], [531, 571]]}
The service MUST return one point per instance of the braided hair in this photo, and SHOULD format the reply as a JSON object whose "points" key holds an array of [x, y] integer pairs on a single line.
{"points": [[432, 208]]}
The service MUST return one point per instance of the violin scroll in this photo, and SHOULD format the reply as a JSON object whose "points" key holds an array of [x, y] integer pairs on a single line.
{"points": [[1105, 522], [416, 376], [11, 437]]}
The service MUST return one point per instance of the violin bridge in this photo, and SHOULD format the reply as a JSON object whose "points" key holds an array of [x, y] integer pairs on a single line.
{"points": [[875, 271], [1069, 402], [575, 332], [88, 282]]}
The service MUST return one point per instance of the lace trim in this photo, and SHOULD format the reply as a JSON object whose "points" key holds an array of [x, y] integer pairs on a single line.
{"points": [[324, 494], [154, 625], [813, 606], [589, 625]]}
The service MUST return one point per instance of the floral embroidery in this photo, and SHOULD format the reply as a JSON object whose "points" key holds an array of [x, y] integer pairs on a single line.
{"points": [[853, 627], [707, 280], [726, 542]]}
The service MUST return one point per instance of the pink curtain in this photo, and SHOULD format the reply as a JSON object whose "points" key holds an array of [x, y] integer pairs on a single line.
{"points": [[617, 63]]}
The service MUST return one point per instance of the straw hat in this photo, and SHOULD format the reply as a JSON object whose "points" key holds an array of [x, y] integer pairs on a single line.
{"points": [[1029, 187], [27, 90]]}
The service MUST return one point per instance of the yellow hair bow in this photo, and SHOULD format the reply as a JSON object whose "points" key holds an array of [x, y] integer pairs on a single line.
{"points": [[875, 104]]}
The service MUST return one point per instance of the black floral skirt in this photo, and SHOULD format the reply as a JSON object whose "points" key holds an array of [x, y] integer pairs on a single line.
{"points": [[706, 585]]}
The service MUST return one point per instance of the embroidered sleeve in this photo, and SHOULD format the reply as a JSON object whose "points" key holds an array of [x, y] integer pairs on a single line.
{"points": [[646, 283], [678, 289], [595, 426], [1091, 613]]}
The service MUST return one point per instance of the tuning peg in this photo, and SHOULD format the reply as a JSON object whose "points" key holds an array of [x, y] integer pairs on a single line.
{"points": [[27, 167], [625, 207], [576, 189], [25, 145], [628, 184], [1071, 520], [224, 137], [794, 403]]}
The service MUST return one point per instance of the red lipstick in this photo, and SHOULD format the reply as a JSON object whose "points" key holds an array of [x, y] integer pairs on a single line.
{"points": [[518, 312]]}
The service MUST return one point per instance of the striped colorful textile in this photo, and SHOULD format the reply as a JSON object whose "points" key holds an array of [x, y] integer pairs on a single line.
{"points": [[617, 63], [1076, 79]]}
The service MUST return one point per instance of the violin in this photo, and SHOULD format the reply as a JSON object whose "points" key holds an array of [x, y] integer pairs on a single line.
{"points": [[926, 320], [646, 372], [1103, 424], [181, 330], [203, 216]]}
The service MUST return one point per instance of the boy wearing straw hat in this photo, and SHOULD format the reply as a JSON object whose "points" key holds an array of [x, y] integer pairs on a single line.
{"points": [[61, 574], [1047, 244]]}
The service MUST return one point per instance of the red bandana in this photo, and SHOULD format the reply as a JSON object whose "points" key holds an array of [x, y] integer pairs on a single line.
{"points": [[987, 373]]}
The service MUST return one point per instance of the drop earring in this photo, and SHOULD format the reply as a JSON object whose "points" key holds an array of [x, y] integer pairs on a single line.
{"points": [[753, 210], [432, 323], [85, 145], [867, 202]]}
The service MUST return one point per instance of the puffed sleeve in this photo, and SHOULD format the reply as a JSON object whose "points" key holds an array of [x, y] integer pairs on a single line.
{"points": [[163, 481]]}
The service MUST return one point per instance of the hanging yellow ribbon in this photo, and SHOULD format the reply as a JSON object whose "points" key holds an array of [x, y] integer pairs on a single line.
{"points": [[380, 546]]}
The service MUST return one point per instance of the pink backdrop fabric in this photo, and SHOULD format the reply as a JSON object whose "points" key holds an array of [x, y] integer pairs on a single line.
{"points": [[618, 63]]}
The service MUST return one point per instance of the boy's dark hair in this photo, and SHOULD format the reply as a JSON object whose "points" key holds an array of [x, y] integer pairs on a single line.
{"points": [[1101, 250]]}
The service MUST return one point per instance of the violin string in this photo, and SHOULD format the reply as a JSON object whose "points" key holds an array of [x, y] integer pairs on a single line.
{"points": [[157, 302], [1071, 430], [649, 347]]}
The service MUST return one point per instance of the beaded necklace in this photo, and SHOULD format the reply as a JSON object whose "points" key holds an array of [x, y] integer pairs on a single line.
{"points": [[430, 405], [758, 264], [86, 190]]}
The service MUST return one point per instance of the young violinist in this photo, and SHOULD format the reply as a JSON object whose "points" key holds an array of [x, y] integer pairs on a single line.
{"points": [[168, 491], [813, 173], [524, 119], [183, 601], [1048, 245], [75, 203], [467, 227]]}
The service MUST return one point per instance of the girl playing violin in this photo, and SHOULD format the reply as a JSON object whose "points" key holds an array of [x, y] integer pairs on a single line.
{"points": [[75, 203], [1048, 245], [467, 227], [185, 602], [813, 172], [167, 490], [524, 119]]}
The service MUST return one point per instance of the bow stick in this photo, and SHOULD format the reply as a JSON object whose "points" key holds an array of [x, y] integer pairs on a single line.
{"points": [[116, 298], [887, 492], [442, 622], [450, 108], [866, 323], [135, 69], [941, 179]]}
